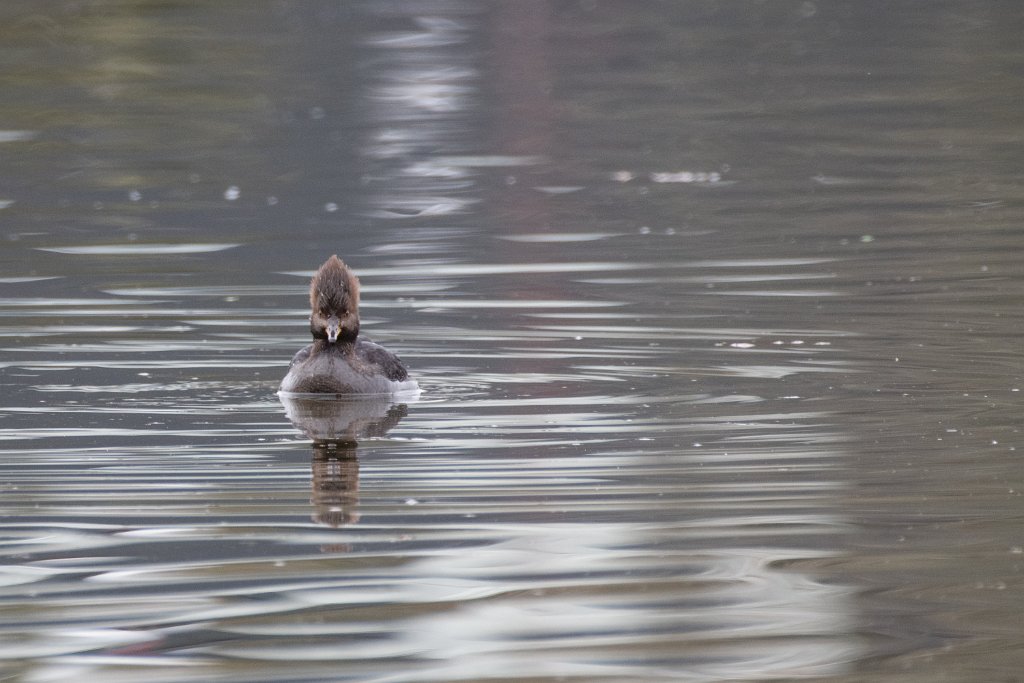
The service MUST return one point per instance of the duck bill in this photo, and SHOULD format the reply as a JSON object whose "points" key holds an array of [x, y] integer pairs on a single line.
{"points": [[333, 329]]}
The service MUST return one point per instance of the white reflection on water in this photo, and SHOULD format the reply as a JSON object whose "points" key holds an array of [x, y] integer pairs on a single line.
{"points": [[424, 89], [139, 249], [580, 603]]}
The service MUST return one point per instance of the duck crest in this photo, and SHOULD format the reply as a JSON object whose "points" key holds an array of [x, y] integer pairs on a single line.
{"points": [[334, 287]]}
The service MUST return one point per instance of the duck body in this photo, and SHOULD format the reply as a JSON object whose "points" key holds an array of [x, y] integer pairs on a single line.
{"points": [[359, 367], [339, 361]]}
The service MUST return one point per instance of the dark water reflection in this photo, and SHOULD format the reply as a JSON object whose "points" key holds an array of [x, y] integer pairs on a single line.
{"points": [[335, 428], [715, 309]]}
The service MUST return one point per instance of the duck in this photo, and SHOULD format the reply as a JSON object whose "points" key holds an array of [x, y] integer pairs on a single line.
{"points": [[340, 361]]}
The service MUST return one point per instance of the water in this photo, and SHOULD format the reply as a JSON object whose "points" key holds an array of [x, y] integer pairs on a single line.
{"points": [[715, 309]]}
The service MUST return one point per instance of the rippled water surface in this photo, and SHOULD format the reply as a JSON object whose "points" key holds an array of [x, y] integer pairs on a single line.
{"points": [[715, 308]]}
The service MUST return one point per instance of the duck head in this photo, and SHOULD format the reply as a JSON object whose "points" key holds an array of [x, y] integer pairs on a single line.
{"points": [[334, 298]]}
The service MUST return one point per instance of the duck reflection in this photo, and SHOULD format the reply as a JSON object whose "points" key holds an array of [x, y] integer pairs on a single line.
{"points": [[334, 491], [335, 426]]}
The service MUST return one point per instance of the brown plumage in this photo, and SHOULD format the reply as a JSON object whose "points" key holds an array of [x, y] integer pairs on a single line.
{"points": [[334, 300]]}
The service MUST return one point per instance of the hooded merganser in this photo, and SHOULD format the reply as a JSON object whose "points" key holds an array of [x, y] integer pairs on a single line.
{"points": [[339, 361]]}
